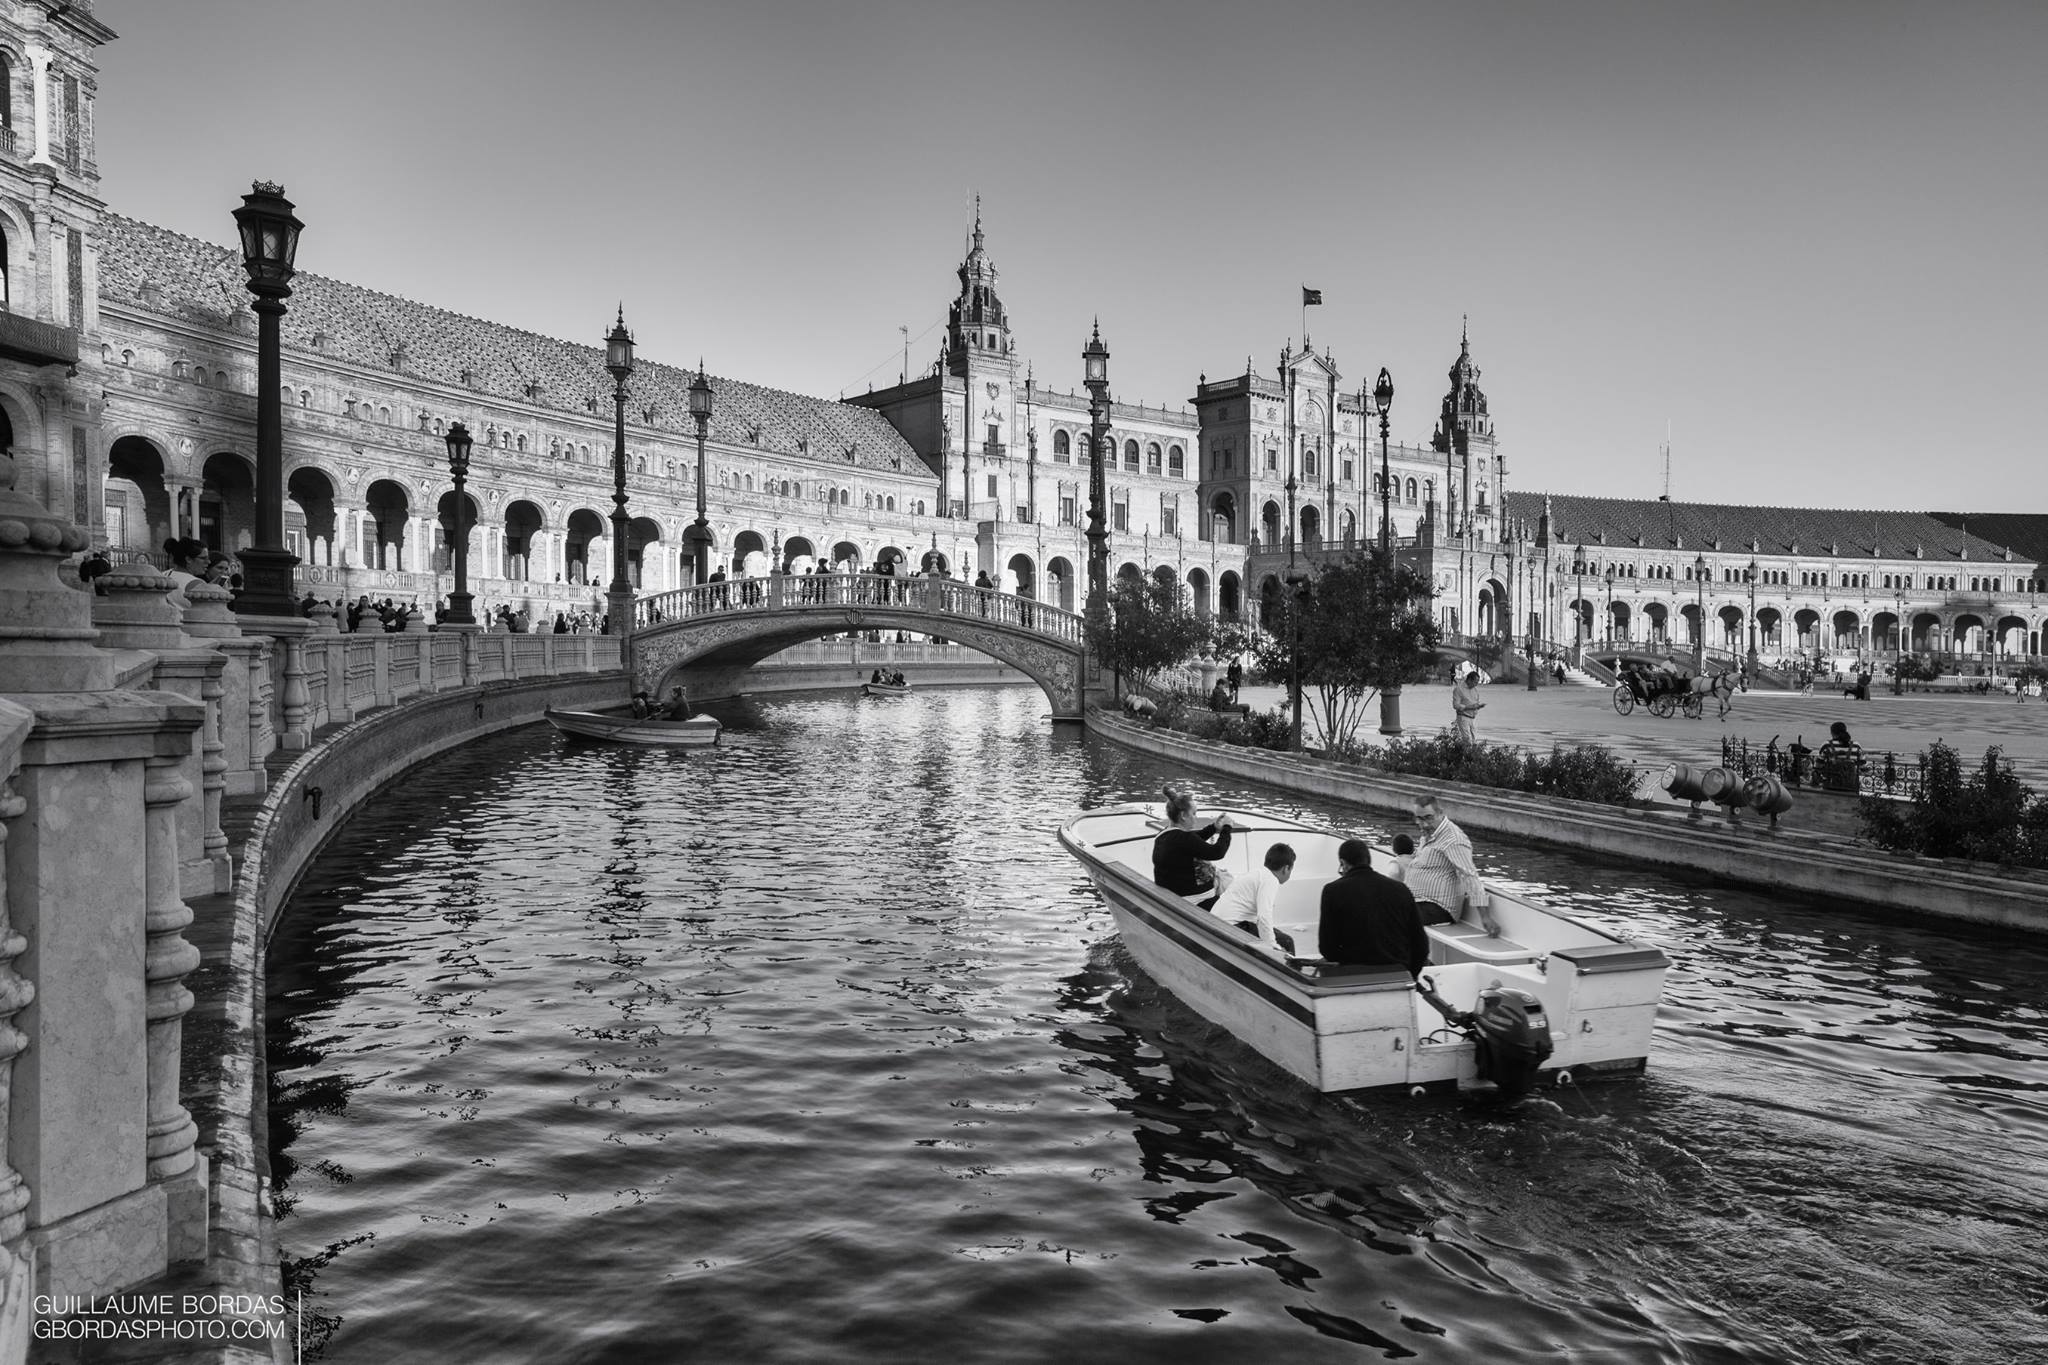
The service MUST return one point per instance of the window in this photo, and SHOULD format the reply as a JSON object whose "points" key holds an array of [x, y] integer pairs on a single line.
{"points": [[1062, 448], [1130, 454], [1169, 515], [1411, 490], [1224, 457], [1349, 475], [1308, 462], [889, 503], [1176, 462], [1272, 460], [991, 485], [1152, 457], [992, 441], [1066, 509], [1121, 516]]}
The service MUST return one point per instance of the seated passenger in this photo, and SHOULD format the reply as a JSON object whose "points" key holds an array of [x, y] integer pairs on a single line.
{"points": [[1368, 920], [1248, 901], [678, 707], [1404, 854], [1219, 697], [640, 706], [1184, 849]]}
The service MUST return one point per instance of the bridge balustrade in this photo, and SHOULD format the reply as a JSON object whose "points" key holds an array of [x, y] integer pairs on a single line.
{"points": [[929, 593]]}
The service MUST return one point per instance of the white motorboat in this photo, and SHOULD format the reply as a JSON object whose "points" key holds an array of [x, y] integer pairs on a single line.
{"points": [[875, 689], [698, 732], [1344, 1029]]}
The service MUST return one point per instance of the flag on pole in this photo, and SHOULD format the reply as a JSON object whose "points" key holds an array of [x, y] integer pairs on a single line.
{"points": [[1309, 296]]}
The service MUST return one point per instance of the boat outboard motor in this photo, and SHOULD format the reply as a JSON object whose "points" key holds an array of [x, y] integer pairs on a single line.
{"points": [[1510, 1034]]}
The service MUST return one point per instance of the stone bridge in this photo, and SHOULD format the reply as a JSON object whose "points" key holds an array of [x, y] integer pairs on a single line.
{"points": [[706, 638]]}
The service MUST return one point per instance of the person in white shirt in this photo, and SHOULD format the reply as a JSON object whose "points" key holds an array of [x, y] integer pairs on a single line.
{"points": [[1248, 902]]}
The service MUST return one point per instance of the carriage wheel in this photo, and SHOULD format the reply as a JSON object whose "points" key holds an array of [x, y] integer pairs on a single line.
{"points": [[1694, 705], [1662, 705], [1624, 700]]}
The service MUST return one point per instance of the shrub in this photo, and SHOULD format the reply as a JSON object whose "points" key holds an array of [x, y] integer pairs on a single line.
{"points": [[1987, 815], [1587, 772], [1256, 730]]}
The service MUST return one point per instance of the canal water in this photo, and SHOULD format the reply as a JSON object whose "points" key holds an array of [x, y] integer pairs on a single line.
{"points": [[816, 1047]]}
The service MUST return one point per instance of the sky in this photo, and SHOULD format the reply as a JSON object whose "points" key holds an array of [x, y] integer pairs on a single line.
{"points": [[1805, 239]]}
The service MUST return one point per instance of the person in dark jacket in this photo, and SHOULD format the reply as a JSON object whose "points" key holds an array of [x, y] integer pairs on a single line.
{"points": [[1183, 850], [1369, 920]]}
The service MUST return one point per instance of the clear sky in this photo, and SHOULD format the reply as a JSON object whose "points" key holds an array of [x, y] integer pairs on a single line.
{"points": [[1807, 236]]}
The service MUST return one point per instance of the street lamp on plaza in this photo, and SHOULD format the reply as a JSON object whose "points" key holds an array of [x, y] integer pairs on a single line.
{"points": [[1608, 624], [1579, 605], [1699, 625], [1095, 376], [458, 469], [698, 536], [618, 358], [1899, 645], [1383, 398], [1752, 618], [270, 241]]}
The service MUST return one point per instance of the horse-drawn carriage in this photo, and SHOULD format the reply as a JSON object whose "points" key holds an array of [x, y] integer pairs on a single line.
{"points": [[1662, 692], [1665, 691]]}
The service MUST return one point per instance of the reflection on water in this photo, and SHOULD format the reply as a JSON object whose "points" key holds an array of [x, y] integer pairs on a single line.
{"points": [[816, 1046]]}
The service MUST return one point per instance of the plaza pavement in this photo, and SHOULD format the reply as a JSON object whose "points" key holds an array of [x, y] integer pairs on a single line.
{"points": [[1574, 713]]}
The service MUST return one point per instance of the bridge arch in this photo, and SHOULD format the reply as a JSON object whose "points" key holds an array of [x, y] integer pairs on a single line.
{"points": [[706, 638]]}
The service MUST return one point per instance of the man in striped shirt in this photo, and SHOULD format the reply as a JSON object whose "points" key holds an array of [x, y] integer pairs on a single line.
{"points": [[1445, 883]]}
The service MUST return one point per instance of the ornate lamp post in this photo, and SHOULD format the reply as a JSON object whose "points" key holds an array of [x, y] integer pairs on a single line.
{"points": [[1095, 374], [1607, 626], [1751, 574], [1529, 612], [270, 240], [1899, 638], [1699, 625], [1383, 398], [698, 536], [458, 469], [1579, 605], [618, 358]]}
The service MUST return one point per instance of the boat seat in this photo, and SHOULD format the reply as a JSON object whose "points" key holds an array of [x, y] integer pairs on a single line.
{"points": [[1463, 942]]}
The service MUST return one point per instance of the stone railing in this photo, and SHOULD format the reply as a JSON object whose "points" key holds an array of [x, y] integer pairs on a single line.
{"points": [[930, 593], [342, 676]]}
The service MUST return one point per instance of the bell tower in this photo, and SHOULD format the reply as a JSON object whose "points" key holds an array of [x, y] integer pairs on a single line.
{"points": [[981, 358], [1474, 476]]}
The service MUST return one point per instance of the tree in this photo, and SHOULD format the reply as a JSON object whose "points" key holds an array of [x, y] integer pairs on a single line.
{"points": [[1365, 625], [1150, 627]]}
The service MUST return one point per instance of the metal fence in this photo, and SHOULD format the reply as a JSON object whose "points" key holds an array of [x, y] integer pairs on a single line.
{"points": [[1871, 773]]}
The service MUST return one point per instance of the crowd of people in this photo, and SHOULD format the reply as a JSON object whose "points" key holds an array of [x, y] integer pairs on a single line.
{"points": [[1366, 918]]}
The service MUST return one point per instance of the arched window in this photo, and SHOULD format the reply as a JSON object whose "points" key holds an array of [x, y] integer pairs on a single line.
{"points": [[1130, 454], [1411, 490], [889, 504], [1152, 457], [1176, 462], [1062, 447]]}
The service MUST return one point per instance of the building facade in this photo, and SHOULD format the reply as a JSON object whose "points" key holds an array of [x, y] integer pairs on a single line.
{"points": [[127, 387]]}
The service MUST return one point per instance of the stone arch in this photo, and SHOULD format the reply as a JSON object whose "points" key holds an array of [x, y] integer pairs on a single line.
{"points": [[642, 532], [1020, 576], [583, 546], [309, 494], [895, 556], [227, 502], [795, 549], [1223, 526], [524, 521], [1269, 523], [749, 555], [1130, 571], [1845, 630], [1059, 573], [445, 532], [1199, 589], [1230, 595], [1312, 527], [1270, 599], [136, 467], [387, 507]]}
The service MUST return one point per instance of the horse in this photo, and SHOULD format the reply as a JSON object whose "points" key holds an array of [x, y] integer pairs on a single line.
{"points": [[1721, 687]]}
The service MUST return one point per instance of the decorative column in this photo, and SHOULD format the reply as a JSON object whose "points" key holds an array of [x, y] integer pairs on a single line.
{"points": [[15, 995], [293, 734], [167, 960]]}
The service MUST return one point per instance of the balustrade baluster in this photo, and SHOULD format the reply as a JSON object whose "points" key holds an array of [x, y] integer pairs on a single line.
{"points": [[167, 959], [15, 995]]}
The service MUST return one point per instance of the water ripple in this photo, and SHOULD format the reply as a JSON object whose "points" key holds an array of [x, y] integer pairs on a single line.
{"points": [[818, 1047]]}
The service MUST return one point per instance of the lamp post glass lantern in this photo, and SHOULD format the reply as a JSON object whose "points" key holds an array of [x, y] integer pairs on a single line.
{"points": [[618, 359], [698, 536], [1095, 375], [1383, 399], [1699, 624], [269, 232], [459, 613]]}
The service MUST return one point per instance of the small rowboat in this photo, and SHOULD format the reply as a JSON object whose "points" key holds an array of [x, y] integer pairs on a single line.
{"points": [[698, 732], [885, 689], [1352, 1028]]}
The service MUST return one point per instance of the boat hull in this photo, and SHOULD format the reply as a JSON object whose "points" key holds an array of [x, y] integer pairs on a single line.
{"points": [[885, 689], [698, 732], [1366, 1029]]}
